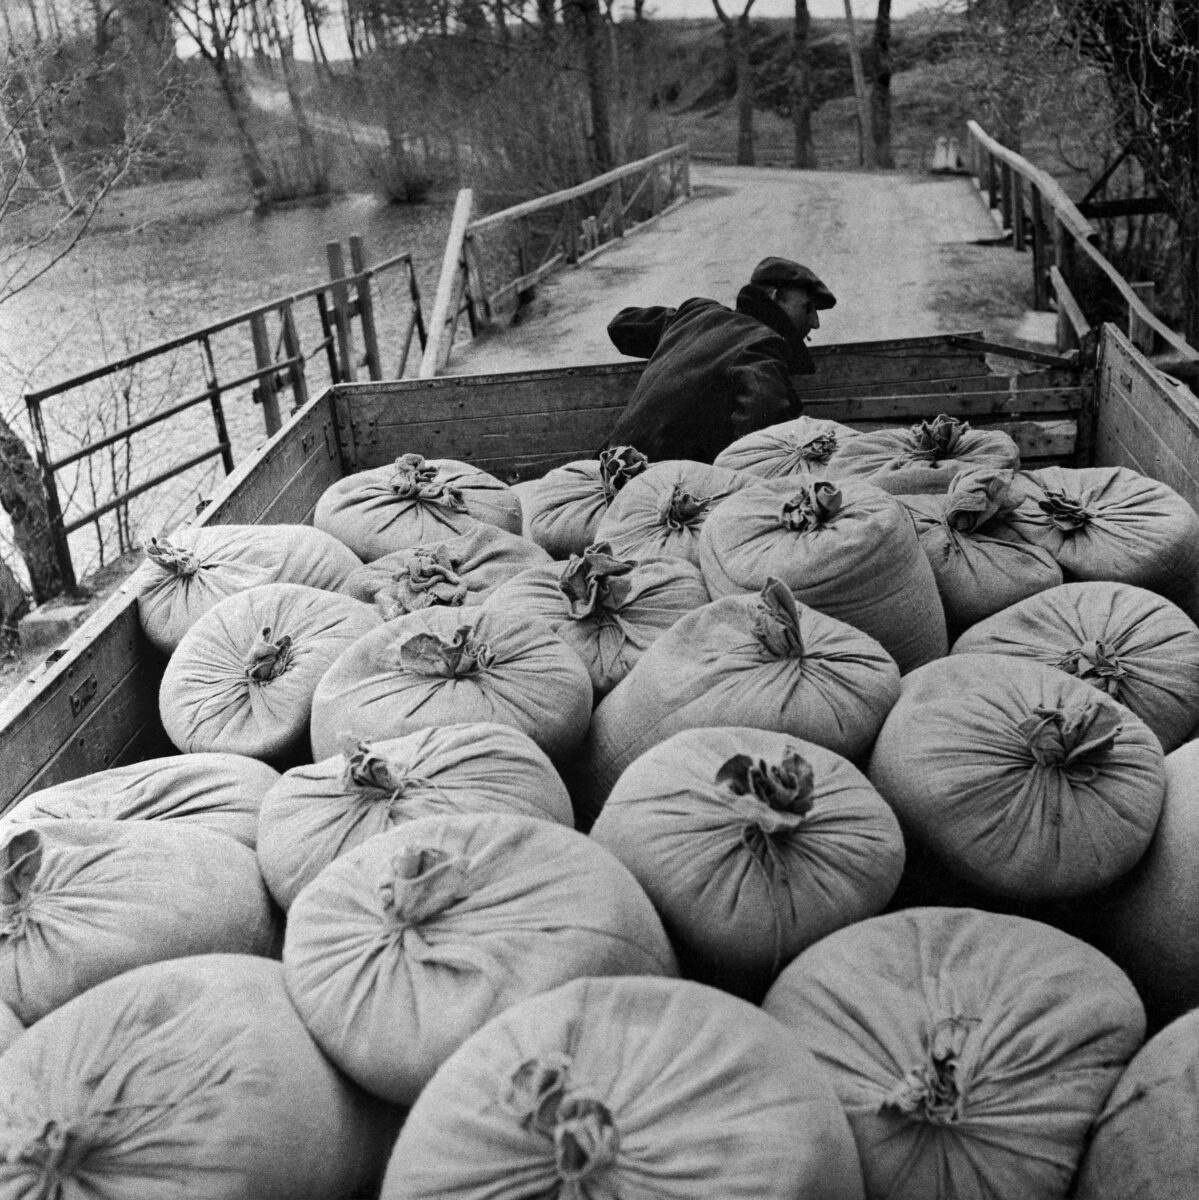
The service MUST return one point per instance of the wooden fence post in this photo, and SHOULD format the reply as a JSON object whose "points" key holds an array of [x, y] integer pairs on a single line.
{"points": [[476, 291], [444, 320], [267, 395], [992, 180], [1018, 242], [617, 210], [291, 346], [572, 231], [341, 310], [1005, 196], [1140, 334], [366, 306], [1040, 292]]}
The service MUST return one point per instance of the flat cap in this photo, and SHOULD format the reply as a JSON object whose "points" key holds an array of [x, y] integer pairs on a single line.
{"points": [[783, 273]]}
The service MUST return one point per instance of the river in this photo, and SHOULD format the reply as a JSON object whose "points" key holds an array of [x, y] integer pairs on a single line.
{"points": [[120, 292]]}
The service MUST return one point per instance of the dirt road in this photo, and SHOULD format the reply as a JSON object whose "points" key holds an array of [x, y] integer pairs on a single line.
{"points": [[904, 254]]}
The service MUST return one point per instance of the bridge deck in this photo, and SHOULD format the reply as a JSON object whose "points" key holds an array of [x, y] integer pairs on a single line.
{"points": [[879, 240]]}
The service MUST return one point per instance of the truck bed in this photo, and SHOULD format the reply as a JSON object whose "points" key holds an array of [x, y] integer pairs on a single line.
{"points": [[95, 702]]}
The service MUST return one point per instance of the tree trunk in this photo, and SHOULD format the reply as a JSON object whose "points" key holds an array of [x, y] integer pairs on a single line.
{"points": [[880, 89], [24, 499], [745, 93], [235, 97], [14, 604], [639, 88], [865, 124], [1188, 229], [801, 87], [587, 24], [308, 155]]}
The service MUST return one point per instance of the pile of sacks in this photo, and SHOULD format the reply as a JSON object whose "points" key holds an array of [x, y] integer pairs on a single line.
{"points": [[818, 822]]}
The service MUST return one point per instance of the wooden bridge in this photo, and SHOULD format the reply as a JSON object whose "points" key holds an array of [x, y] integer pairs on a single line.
{"points": [[875, 239]]}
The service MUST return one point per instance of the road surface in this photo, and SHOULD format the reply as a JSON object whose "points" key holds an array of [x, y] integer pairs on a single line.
{"points": [[906, 255]]}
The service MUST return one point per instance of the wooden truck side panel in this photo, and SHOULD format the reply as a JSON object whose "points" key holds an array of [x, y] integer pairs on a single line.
{"points": [[96, 704], [1144, 420]]}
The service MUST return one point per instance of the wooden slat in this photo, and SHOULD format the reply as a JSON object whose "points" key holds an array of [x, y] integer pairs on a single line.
{"points": [[473, 439], [1145, 422], [37, 723], [451, 396], [974, 406], [125, 729], [989, 381], [906, 358], [1034, 439], [278, 479]]}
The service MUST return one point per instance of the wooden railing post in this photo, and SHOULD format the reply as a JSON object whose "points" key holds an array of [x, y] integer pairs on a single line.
{"points": [[296, 375], [992, 180], [572, 231], [617, 202], [366, 306], [1018, 242], [341, 311], [480, 310], [1140, 333], [1040, 290], [265, 390], [1005, 197], [444, 319]]}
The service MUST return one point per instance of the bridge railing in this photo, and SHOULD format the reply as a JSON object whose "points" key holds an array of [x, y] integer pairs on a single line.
{"points": [[1040, 216], [136, 427], [492, 264]]}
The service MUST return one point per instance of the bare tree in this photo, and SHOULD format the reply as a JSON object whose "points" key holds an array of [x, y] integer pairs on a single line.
{"points": [[738, 30], [47, 205], [212, 26], [1148, 51], [801, 86], [584, 20]]}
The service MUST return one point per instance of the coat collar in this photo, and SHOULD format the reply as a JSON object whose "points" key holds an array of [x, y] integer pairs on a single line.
{"points": [[755, 301]]}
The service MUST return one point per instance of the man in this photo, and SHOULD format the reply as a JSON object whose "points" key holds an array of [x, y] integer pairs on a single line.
{"points": [[716, 373]]}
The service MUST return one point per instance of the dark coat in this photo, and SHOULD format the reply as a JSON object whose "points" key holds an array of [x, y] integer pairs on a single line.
{"points": [[713, 374]]}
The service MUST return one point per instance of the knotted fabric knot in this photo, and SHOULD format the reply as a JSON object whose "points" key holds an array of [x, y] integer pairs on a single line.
{"points": [[427, 578], [595, 580], [1067, 514], [20, 863], [783, 792], [1097, 663], [935, 1091], [370, 774], [938, 439], [683, 511], [417, 479], [171, 558], [268, 659], [57, 1151], [431, 654], [619, 464], [423, 882], [1066, 737], [776, 621], [579, 1126], [814, 505], [820, 447], [976, 497]]}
